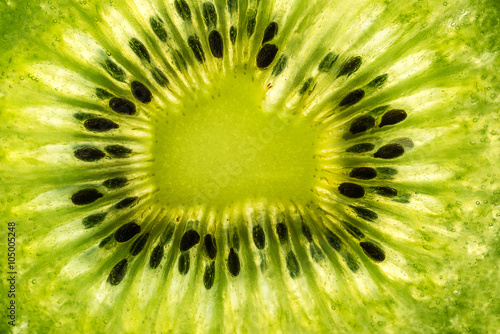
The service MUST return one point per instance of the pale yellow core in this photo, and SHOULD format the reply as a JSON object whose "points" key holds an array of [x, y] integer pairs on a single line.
{"points": [[220, 147]]}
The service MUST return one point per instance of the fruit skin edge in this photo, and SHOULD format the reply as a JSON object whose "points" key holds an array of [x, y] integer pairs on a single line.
{"points": [[471, 302]]}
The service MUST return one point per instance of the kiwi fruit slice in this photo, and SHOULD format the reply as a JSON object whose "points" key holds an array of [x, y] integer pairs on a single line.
{"points": [[247, 166]]}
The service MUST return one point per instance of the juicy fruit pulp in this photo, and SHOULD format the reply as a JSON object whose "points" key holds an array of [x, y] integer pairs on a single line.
{"points": [[251, 166]]}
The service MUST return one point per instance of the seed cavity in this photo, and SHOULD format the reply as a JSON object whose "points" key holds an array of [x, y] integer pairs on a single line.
{"points": [[282, 231], [389, 151], [365, 214], [292, 265], [93, 220], [259, 237], [280, 65], [103, 94], [251, 15], [236, 241], [333, 240], [361, 124], [270, 32], [351, 190], [118, 151], [115, 183], [233, 263], [354, 231], [139, 49], [307, 232], [125, 203], [183, 10], [378, 81], [373, 251], [86, 196], [352, 98], [195, 45], [100, 124], [361, 148], [306, 86], [316, 252], [351, 263], [350, 66], [156, 257], [215, 42], [210, 246], [363, 173], [122, 106], [139, 244], [160, 77], [158, 29], [141, 92], [209, 15], [89, 154], [184, 263], [386, 191], [118, 272], [393, 117], [232, 6], [387, 170], [209, 275], [232, 34], [104, 242], [127, 232], [326, 64], [189, 240], [266, 55], [115, 71]]}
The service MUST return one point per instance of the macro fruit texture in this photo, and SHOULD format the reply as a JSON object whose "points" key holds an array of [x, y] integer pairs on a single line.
{"points": [[250, 166]]}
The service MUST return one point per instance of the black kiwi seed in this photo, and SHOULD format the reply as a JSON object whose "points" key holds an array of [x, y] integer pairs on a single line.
{"points": [[363, 173], [233, 263], [124, 203], [386, 191], [156, 256], [189, 239], [333, 240], [350, 66], [122, 106], [160, 77], [251, 15], [305, 86], [184, 263], [292, 265], [86, 196], [139, 244], [361, 124], [352, 98], [232, 34], [183, 10], [115, 183], [195, 45], [307, 232], [114, 70], [365, 214], [100, 124], [351, 190], [103, 94], [118, 272], [127, 232], [326, 64], [232, 5], [389, 151], [209, 15], [378, 81], [118, 151], [215, 41], [209, 275], [140, 92], [280, 65], [270, 32], [393, 117], [210, 246], [93, 220], [361, 148], [158, 29], [89, 154], [266, 55], [373, 251], [354, 231], [139, 49], [259, 237], [282, 231]]}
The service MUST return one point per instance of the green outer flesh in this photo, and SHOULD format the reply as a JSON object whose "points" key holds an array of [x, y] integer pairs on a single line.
{"points": [[452, 173]]}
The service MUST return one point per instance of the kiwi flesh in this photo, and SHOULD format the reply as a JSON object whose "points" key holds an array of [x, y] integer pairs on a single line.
{"points": [[251, 166]]}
